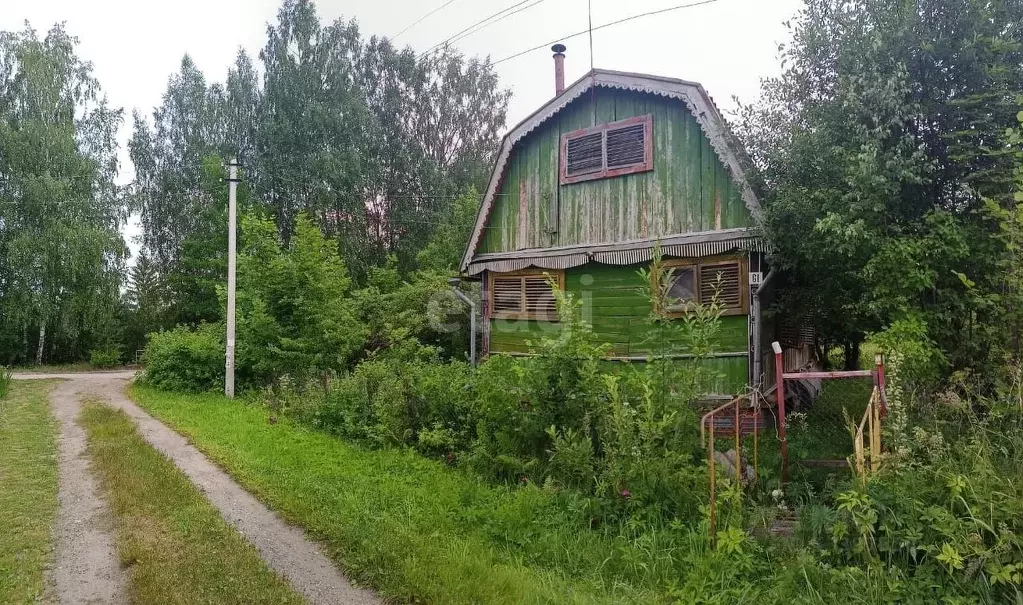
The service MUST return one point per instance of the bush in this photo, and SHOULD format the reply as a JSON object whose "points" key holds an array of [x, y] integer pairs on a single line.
{"points": [[398, 402], [185, 360], [106, 357], [950, 518]]}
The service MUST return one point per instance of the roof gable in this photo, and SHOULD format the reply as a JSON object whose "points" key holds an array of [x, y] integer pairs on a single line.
{"points": [[691, 94]]}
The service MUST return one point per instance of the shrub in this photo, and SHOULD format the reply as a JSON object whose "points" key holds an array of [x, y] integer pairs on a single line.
{"points": [[921, 362], [295, 317], [106, 357], [387, 402], [622, 437], [185, 360]]}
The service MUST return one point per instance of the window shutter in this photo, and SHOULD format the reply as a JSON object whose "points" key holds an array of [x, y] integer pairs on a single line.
{"points": [[728, 289], [540, 298], [585, 154], [626, 146], [507, 294]]}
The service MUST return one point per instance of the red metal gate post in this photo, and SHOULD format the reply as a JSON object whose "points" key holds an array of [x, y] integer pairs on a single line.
{"points": [[779, 378]]}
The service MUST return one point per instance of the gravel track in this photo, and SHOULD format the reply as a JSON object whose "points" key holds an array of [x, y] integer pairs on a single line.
{"points": [[87, 568]]}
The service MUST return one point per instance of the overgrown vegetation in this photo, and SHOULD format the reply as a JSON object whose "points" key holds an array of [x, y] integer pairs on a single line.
{"points": [[28, 500], [176, 545], [941, 522], [414, 529]]}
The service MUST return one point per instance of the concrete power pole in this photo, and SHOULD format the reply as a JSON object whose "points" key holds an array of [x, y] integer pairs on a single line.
{"points": [[232, 228]]}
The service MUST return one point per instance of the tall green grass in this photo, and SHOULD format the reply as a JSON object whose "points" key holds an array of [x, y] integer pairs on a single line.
{"points": [[28, 490], [6, 377], [176, 545], [421, 532]]}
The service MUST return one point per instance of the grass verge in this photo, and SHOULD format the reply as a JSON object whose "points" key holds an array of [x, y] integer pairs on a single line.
{"points": [[28, 490], [179, 548], [416, 530]]}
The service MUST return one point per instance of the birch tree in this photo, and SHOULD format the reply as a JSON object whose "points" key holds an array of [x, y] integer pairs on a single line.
{"points": [[61, 253]]}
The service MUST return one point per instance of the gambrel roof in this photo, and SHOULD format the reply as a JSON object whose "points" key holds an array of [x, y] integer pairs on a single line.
{"points": [[692, 94]]}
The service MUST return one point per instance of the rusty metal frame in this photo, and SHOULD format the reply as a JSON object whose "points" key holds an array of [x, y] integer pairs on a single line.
{"points": [[876, 408], [708, 419]]}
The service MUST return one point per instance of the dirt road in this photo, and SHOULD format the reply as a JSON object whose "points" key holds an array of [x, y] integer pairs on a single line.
{"points": [[87, 568]]}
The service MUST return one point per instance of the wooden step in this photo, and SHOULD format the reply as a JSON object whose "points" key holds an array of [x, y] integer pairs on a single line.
{"points": [[784, 524]]}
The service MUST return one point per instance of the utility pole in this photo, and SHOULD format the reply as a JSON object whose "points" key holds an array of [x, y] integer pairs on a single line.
{"points": [[232, 228]]}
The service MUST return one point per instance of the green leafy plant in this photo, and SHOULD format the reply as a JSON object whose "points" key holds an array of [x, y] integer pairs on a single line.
{"points": [[107, 357], [185, 360]]}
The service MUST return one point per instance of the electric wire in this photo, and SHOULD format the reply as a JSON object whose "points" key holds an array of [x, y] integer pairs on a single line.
{"points": [[423, 18], [486, 25], [599, 27], [481, 21]]}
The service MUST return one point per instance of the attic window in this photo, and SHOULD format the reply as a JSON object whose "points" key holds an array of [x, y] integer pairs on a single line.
{"points": [[607, 150], [701, 280], [524, 295]]}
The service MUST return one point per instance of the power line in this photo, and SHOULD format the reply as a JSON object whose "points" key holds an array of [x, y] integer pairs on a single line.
{"points": [[481, 21], [423, 18], [486, 25], [589, 30]]}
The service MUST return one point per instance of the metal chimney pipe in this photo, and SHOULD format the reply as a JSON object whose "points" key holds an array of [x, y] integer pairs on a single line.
{"points": [[559, 68]]}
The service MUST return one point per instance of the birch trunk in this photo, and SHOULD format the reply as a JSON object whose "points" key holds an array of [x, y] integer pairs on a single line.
{"points": [[42, 342]]}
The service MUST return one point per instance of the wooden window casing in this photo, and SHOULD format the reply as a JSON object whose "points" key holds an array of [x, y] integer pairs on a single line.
{"points": [[625, 147], [733, 293], [524, 294]]}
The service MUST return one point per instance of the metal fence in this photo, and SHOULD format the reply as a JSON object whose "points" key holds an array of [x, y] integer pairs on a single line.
{"points": [[815, 427]]}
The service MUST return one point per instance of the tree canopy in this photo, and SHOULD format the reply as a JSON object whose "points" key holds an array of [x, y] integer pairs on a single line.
{"points": [[61, 252], [371, 141], [876, 147]]}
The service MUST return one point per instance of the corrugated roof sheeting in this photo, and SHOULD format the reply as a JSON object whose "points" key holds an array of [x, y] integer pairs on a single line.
{"points": [[617, 257]]}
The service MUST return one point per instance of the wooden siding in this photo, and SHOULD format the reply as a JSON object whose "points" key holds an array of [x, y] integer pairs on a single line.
{"points": [[614, 305], [689, 189]]}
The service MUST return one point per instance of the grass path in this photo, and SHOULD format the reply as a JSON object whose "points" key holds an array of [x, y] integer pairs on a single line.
{"points": [[28, 491], [417, 531], [176, 545]]}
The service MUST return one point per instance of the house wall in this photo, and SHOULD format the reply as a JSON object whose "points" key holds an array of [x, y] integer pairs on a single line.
{"points": [[614, 304], [688, 190]]}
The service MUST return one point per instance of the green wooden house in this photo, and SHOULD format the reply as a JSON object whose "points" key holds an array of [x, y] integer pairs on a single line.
{"points": [[584, 188]]}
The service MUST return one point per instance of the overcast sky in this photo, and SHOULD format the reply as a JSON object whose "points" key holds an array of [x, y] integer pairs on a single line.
{"points": [[727, 45]]}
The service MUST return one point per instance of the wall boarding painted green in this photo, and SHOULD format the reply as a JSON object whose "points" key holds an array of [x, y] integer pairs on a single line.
{"points": [[614, 304], [682, 194]]}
